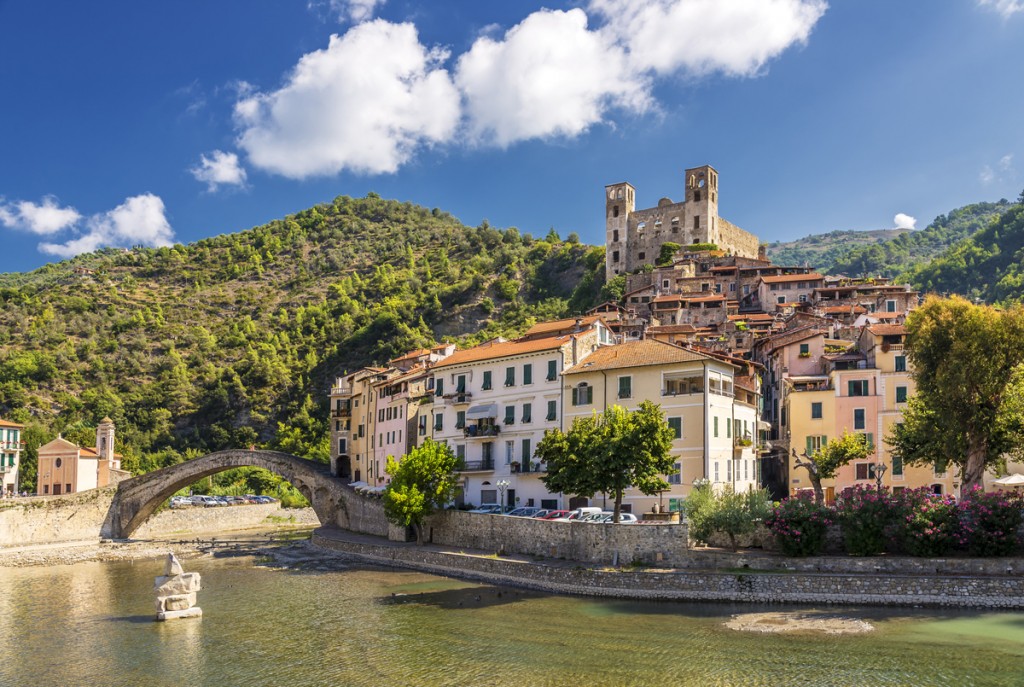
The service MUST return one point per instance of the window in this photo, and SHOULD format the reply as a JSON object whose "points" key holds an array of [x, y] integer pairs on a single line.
{"points": [[460, 419], [664, 283], [802, 298], [901, 394], [528, 373], [858, 387], [552, 370], [865, 470], [716, 470], [901, 363], [361, 430], [897, 466], [487, 385], [746, 289], [615, 235], [615, 256], [890, 306], [488, 496], [716, 432], [816, 411], [510, 376], [615, 211], [527, 452], [815, 442], [552, 411], [858, 418], [625, 387], [869, 440], [527, 412], [460, 451], [780, 300], [676, 477], [696, 222], [510, 451], [460, 384], [676, 425], [728, 471], [438, 422], [728, 429], [642, 255], [342, 446], [439, 391], [423, 425], [487, 452], [582, 395], [510, 415]]}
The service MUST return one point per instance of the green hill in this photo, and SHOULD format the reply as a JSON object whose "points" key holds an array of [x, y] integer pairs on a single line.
{"points": [[234, 340], [886, 252]]}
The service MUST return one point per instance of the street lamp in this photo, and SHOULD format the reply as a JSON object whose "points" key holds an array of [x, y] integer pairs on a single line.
{"points": [[502, 486], [880, 469]]}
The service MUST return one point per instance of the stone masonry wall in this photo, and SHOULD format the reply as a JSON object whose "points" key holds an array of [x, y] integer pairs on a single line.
{"points": [[756, 587], [737, 240], [583, 542], [48, 519], [198, 520]]}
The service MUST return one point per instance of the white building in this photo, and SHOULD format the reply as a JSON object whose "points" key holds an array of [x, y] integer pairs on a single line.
{"points": [[10, 456], [493, 403]]}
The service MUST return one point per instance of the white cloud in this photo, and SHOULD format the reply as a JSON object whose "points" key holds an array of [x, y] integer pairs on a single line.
{"points": [[220, 169], [548, 76], [45, 218], [1002, 171], [986, 175], [365, 104], [903, 221], [1007, 8], [700, 37], [140, 220], [1006, 163]]}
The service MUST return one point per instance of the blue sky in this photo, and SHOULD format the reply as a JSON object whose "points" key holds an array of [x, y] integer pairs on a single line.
{"points": [[124, 122]]}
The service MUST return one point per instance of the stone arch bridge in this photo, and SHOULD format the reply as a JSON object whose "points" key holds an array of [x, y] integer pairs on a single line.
{"points": [[334, 502]]}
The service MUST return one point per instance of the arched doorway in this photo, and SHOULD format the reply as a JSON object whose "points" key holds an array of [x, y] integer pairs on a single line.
{"points": [[344, 467]]}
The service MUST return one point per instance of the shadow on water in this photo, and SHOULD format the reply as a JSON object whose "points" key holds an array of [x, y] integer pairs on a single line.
{"points": [[132, 619], [466, 598]]}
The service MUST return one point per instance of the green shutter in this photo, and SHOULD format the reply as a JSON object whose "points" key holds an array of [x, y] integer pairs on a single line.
{"points": [[716, 426], [440, 387], [528, 374], [810, 446], [552, 410], [575, 396], [527, 454], [487, 380], [871, 441], [676, 423], [527, 412], [510, 376], [510, 414], [552, 370], [849, 388]]}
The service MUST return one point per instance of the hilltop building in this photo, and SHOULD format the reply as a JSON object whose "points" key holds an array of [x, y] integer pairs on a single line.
{"points": [[10, 456], [633, 238], [66, 468]]}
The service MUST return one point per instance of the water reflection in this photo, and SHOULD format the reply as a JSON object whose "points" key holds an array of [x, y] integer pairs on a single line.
{"points": [[91, 624]]}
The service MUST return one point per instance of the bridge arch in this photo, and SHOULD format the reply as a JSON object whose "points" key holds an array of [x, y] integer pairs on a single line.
{"points": [[138, 497]]}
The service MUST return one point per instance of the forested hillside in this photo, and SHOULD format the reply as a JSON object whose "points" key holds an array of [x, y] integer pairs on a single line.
{"points": [[234, 340], [889, 252], [989, 265]]}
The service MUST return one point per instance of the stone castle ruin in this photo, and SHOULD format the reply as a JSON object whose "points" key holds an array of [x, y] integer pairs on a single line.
{"points": [[633, 238]]}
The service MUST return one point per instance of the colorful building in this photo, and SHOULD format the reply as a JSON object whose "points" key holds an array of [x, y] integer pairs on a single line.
{"points": [[66, 468], [10, 456]]}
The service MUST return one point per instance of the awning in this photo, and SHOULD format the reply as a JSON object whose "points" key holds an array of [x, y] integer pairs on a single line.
{"points": [[1015, 480], [482, 411]]}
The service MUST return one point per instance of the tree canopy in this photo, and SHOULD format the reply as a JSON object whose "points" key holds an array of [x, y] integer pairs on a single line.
{"points": [[423, 481], [968, 362], [609, 453], [826, 460]]}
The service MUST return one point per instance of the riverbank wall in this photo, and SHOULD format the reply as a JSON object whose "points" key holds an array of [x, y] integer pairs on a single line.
{"points": [[904, 583]]}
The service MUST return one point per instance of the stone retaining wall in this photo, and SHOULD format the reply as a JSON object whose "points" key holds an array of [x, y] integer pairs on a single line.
{"points": [[198, 520], [603, 544], [756, 587], [49, 519]]}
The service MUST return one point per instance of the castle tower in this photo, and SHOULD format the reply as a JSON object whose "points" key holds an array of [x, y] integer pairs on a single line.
{"points": [[619, 202], [105, 439], [702, 204]]}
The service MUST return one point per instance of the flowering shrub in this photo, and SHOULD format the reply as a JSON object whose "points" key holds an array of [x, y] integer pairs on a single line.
{"points": [[800, 525], [929, 523], [989, 522], [867, 517]]}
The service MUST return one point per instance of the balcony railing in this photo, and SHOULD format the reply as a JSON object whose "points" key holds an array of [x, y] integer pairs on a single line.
{"points": [[527, 468], [341, 391], [477, 431], [341, 412], [477, 465], [457, 399]]}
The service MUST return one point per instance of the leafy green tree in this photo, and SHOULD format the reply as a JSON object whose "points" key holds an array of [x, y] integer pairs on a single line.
{"points": [[609, 453], [968, 362], [424, 480], [737, 514], [830, 457], [668, 249]]}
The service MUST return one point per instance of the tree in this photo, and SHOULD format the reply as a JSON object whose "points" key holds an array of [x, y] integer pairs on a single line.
{"points": [[424, 480], [968, 362], [824, 463], [609, 453], [668, 249]]}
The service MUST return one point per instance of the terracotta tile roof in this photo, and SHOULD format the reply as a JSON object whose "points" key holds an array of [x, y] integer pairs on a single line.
{"points": [[887, 329], [704, 299], [13, 425], [887, 315], [843, 309], [503, 349], [793, 336], [782, 278], [635, 354], [752, 317], [544, 329], [671, 329], [723, 268], [412, 354], [672, 297]]}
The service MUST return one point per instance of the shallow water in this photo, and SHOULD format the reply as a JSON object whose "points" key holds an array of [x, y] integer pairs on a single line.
{"points": [[92, 624]]}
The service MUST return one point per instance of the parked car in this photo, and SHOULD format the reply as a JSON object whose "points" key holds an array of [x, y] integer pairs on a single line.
{"points": [[523, 512], [180, 502], [488, 508], [575, 515], [555, 514], [541, 514], [200, 499], [624, 518]]}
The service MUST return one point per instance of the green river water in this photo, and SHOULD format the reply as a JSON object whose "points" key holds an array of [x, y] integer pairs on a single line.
{"points": [[92, 624]]}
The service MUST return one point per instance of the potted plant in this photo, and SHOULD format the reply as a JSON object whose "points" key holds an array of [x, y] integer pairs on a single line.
{"points": [[515, 466]]}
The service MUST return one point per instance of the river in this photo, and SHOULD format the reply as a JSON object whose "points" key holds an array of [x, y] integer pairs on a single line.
{"points": [[92, 624]]}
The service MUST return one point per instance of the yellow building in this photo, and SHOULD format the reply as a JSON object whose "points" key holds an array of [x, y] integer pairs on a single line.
{"points": [[714, 418], [10, 456]]}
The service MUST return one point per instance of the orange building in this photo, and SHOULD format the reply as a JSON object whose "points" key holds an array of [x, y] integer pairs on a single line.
{"points": [[66, 468]]}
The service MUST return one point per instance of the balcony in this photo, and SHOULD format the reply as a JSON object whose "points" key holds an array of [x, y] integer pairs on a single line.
{"points": [[528, 468], [341, 412], [457, 399], [341, 391], [484, 465], [477, 431]]}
